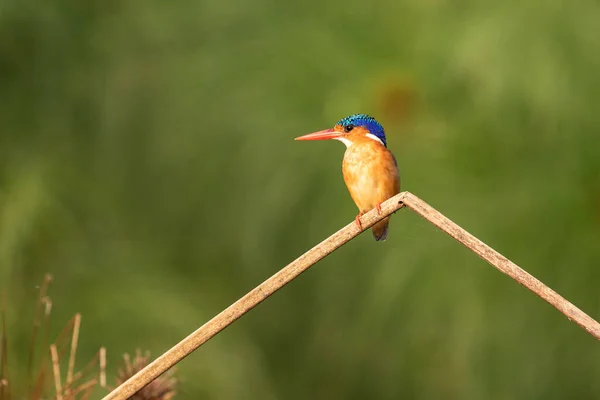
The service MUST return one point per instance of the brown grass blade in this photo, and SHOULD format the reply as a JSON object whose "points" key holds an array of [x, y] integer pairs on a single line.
{"points": [[36, 326], [4, 384], [84, 387], [40, 381], [87, 370], [87, 393]]}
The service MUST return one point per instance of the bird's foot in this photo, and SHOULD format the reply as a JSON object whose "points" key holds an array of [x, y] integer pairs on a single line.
{"points": [[378, 207], [357, 220]]}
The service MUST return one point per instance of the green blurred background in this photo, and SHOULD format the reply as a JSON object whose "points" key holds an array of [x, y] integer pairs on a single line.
{"points": [[147, 161]]}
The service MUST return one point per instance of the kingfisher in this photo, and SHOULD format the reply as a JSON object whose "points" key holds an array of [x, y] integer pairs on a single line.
{"points": [[370, 170]]}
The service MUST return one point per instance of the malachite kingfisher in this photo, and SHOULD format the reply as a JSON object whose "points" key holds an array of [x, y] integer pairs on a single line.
{"points": [[369, 168]]}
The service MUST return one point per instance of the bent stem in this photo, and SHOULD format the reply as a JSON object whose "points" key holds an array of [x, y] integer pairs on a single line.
{"points": [[320, 251]]}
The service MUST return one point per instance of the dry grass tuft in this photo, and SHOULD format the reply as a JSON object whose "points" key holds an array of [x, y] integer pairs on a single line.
{"points": [[46, 361]]}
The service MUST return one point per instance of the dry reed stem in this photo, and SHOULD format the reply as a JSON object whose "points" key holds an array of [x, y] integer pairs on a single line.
{"points": [[326, 247], [102, 366], [56, 371], [74, 340], [503, 264]]}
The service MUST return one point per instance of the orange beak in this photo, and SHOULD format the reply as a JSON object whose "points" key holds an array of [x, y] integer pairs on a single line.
{"points": [[321, 135]]}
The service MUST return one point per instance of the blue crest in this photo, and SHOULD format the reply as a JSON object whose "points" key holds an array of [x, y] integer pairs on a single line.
{"points": [[366, 121]]}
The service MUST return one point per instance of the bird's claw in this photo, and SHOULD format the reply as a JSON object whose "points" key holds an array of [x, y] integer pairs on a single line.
{"points": [[378, 207], [357, 220]]}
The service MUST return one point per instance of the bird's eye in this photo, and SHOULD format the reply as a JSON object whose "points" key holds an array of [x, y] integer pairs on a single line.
{"points": [[348, 127]]}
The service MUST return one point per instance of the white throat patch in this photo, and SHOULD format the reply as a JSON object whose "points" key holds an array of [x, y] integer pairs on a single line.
{"points": [[344, 140], [371, 136]]}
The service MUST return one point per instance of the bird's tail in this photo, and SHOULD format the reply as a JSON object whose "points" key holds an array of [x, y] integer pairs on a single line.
{"points": [[380, 229]]}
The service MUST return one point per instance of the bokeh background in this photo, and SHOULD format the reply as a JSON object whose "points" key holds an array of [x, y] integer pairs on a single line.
{"points": [[147, 162]]}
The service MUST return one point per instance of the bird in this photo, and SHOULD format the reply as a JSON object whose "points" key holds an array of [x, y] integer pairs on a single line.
{"points": [[369, 168]]}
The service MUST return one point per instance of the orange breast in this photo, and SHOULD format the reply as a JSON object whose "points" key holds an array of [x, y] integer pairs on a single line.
{"points": [[370, 172]]}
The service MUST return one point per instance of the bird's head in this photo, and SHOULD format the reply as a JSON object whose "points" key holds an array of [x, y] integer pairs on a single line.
{"points": [[349, 129]]}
